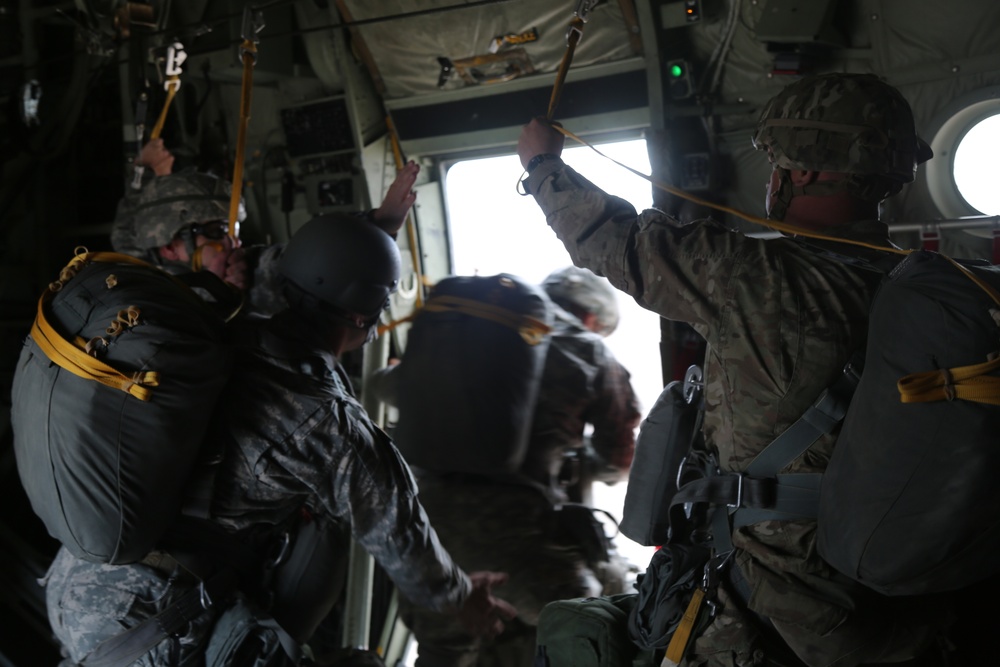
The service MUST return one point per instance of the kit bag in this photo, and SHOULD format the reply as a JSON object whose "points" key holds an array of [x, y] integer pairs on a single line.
{"points": [[469, 377], [110, 402], [666, 438], [588, 632], [909, 503]]}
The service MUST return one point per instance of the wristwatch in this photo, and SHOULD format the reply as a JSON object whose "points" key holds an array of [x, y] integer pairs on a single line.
{"points": [[538, 159]]}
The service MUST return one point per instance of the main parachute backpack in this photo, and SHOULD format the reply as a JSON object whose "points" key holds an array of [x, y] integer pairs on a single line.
{"points": [[110, 402], [909, 503], [469, 379]]}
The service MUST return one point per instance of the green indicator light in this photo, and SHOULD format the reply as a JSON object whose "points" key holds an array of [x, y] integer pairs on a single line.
{"points": [[676, 70]]}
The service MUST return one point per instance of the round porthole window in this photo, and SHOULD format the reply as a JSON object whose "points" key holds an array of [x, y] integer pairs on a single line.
{"points": [[961, 177], [974, 169]]}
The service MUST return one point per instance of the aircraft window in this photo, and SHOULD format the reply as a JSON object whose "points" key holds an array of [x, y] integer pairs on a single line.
{"points": [[975, 162], [495, 230], [966, 139]]}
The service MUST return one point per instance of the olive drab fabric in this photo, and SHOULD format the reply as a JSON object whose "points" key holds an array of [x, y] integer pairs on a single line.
{"points": [[103, 468], [909, 500], [781, 322], [589, 632], [469, 377]]}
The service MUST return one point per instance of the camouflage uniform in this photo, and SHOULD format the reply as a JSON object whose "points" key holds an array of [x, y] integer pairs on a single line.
{"points": [[781, 321], [298, 443], [508, 527]]}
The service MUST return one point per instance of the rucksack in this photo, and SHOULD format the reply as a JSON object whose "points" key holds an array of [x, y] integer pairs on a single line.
{"points": [[470, 375], [111, 399]]}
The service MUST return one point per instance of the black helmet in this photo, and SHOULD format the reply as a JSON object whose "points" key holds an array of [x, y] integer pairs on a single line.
{"points": [[343, 261]]}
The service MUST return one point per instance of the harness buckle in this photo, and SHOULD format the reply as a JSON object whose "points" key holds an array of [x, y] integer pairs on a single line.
{"points": [[203, 597], [283, 548], [739, 493]]}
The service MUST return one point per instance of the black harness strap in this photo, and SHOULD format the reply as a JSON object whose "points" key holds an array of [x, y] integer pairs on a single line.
{"points": [[127, 647], [759, 493]]}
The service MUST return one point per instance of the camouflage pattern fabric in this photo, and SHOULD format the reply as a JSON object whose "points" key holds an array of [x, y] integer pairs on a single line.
{"points": [[505, 528], [488, 525], [168, 203], [582, 383], [848, 123], [265, 296], [90, 602], [299, 439], [580, 288], [781, 321]]}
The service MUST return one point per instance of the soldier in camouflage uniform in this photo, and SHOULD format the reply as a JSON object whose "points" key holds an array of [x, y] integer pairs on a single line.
{"points": [[508, 526], [179, 221], [295, 452], [781, 320]]}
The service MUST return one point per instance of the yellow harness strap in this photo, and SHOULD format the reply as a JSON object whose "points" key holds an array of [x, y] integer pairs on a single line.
{"points": [[530, 329], [249, 60], [173, 85], [682, 635], [74, 356], [572, 39], [969, 383]]}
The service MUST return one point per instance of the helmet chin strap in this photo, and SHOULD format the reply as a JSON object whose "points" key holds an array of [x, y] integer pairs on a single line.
{"points": [[197, 263], [859, 186]]}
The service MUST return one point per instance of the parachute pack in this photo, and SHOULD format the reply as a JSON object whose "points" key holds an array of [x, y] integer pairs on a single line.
{"points": [[908, 503], [469, 378], [111, 400]]}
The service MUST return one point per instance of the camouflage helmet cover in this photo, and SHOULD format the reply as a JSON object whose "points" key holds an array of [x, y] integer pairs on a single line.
{"points": [[586, 291], [847, 123], [169, 203]]}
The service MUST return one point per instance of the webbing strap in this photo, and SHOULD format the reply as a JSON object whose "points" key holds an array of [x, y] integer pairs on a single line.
{"points": [[821, 418], [127, 647], [173, 83], [530, 329], [572, 39], [682, 635], [249, 49], [969, 383], [759, 493], [72, 356], [69, 357]]}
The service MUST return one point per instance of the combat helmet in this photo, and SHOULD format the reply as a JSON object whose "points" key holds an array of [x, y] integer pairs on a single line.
{"points": [[578, 289], [343, 262], [849, 123], [169, 203]]}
